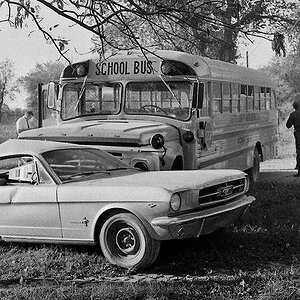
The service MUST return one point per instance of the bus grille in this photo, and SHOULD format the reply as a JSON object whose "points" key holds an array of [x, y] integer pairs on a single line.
{"points": [[222, 192]]}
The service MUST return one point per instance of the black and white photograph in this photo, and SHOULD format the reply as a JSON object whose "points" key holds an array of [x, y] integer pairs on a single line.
{"points": [[150, 150]]}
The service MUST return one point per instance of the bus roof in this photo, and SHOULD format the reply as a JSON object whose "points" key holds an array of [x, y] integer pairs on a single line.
{"points": [[202, 67]]}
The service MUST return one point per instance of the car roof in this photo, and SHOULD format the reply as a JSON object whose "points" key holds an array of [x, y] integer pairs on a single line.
{"points": [[33, 147]]}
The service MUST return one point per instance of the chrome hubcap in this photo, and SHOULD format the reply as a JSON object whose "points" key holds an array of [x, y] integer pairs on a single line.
{"points": [[125, 240]]}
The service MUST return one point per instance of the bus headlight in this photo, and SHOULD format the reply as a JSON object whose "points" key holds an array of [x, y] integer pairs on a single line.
{"points": [[157, 141], [175, 202]]}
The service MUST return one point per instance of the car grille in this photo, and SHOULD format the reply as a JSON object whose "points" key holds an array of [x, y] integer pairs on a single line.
{"points": [[215, 194]]}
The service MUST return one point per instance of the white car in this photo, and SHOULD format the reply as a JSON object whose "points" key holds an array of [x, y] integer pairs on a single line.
{"points": [[64, 193]]}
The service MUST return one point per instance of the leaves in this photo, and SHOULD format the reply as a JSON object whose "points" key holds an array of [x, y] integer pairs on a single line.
{"points": [[278, 44], [41, 73], [61, 46], [210, 28], [7, 84]]}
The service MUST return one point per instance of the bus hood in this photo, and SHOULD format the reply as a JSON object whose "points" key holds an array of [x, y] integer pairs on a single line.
{"points": [[106, 132]]}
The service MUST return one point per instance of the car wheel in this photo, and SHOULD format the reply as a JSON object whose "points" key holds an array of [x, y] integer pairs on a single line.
{"points": [[125, 242], [254, 171]]}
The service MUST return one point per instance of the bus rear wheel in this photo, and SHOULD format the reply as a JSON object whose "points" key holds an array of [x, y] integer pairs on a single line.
{"points": [[253, 172]]}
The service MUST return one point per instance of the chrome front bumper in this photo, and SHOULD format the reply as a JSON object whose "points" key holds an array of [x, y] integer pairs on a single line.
{"points": [[205, 221]]}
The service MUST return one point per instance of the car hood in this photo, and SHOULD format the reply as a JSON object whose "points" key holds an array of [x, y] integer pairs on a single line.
{"points": [[143, 186], [169, 180], [104, 132]]}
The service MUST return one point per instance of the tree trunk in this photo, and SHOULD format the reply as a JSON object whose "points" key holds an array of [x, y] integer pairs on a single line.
{"points": [[228, 49]]}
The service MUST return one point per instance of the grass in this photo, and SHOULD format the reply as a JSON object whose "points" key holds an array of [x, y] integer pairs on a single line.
{"points": [[257, 258]]}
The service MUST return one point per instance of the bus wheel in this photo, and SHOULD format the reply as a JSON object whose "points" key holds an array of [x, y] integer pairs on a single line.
{"points": [[254, 171], [126, 242]]}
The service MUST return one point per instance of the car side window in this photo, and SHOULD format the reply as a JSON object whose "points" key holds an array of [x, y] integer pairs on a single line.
{"points": [[43, 176], [22, 170]]}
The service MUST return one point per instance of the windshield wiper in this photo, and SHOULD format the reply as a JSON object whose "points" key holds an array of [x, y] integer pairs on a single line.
{"points": [[82, 89], [170, 90], [88, 173]]}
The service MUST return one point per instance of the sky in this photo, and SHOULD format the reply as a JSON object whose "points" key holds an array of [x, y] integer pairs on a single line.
{"points": [[26, 47]]}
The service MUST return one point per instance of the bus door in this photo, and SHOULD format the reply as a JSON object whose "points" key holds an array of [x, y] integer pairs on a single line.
{"points": [[46, 116], [203, 128]]}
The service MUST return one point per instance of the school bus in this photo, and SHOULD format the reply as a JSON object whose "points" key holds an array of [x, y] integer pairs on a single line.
{"points": [[164, 110]]}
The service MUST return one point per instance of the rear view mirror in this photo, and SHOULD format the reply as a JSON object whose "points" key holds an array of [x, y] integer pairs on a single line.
{"points": [[198, 95], [51, 95]]}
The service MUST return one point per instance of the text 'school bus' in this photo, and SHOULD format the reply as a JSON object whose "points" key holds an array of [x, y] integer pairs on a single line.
{"points": [[168, 110]]}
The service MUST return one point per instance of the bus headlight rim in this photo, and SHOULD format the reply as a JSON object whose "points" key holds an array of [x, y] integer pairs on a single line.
{"points": [[157, 141]]}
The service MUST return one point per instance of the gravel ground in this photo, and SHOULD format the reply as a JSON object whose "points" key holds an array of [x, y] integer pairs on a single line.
{"points": [[279, 164]]}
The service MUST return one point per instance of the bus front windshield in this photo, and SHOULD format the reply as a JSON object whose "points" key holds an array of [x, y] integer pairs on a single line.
{"points": [[161, 98], [79, 99]]}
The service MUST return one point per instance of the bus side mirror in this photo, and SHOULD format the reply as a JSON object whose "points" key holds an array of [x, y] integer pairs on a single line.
{"points": [[51, 95], [198, 95]]}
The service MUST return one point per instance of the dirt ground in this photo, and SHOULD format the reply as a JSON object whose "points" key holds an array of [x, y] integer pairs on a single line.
{"points": [[281, 168]]}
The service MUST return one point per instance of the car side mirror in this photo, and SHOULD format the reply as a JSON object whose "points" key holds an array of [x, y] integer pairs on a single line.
{"points": [[198, 95]]}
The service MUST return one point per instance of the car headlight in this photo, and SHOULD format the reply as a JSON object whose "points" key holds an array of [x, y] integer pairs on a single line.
{"points": [[175, 202], [247, 184]]}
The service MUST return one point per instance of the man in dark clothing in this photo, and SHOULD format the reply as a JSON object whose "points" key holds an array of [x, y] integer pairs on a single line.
{"points": [[294, 120]]}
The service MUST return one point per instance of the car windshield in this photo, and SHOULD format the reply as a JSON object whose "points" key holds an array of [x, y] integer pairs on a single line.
{"points": [[162, 98], [80, 99], [77, 164]]}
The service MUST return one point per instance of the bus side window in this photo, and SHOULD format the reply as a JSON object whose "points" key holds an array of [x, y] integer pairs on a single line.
{"points": [[268, 98], [250, 98], [243, 99], [226, 97], [217, 97], [262, 98], [273, 99], [256, 98], [235, 97]]}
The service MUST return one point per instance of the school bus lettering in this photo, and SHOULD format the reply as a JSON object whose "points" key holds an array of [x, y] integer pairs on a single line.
{"points": [[112, 68], [123, 68], [142, 67]]}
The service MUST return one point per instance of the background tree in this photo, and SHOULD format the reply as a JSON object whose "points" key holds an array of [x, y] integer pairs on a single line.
{"points": [[7, 84], [208, 27], [285, 71], [42, 73]]}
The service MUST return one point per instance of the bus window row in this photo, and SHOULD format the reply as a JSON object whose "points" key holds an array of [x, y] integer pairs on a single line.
{"points": [[234, 97]]}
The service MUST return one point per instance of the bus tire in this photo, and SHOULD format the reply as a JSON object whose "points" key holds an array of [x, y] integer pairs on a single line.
{"points": [[253, 172], [125, 242]]}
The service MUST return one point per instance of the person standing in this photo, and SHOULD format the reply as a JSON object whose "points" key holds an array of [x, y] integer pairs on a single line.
{"points": [[294, 120], [25, 122]]}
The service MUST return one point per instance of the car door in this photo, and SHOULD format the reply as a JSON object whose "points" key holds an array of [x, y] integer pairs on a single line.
{"points": [[28, 204]]}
